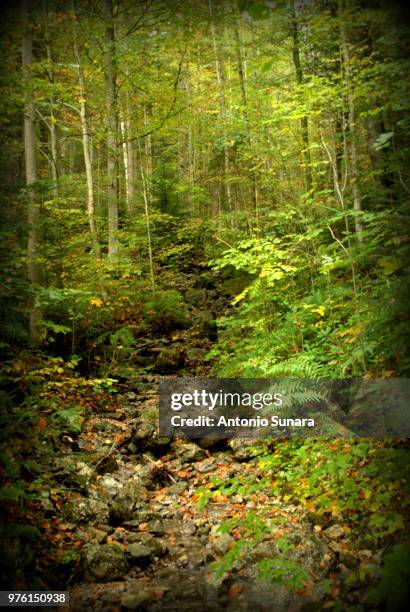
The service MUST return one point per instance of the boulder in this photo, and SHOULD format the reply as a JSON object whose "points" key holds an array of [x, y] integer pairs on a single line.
{"points": [[246, 448], [188, 451], [87, 510], [139, 551], [104, 563], [130, 499]]}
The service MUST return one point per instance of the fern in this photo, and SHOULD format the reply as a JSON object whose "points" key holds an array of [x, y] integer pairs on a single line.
{"points": [[300, 365]]}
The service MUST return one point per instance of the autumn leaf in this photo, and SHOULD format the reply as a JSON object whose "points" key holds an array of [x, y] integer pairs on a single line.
{"points": [[41, 424], [234, 591], [96, 302]]}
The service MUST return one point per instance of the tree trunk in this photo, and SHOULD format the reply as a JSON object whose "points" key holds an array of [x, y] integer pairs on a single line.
{"points": [[220, 75], [112, 129], [351, 121], [85, 133], [242, 84], [149, 165], [33, 211], [131, 160], [300, 79], [52, 124]]}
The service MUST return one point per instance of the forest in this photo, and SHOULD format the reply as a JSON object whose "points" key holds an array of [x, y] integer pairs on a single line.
{"points": [[215, 189]]}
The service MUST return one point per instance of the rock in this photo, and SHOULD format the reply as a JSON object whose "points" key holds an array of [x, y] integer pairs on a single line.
{"points": [[134, 598], [155, 546], [335, 546], [110, 484], [189, 451], [87, 510], [220, 542], [195, 355], [146, 474], [178, 487], [145, 431], [84, 470], [139, 551], [156, 526], [130, 499], [170, 359], [335, 532], [246, 448], [96, 535], [208, 465], [104, 563]]}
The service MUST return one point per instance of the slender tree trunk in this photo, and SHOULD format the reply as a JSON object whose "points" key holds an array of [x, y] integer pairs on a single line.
{"points": [[300, 79], [125, 160], [130, 158], [220, 74], [33, 211], [351, 122], [112, 129], [148, 156], [52, 124], [241, 71], [145, 193], [242, 84], [86, 140]]}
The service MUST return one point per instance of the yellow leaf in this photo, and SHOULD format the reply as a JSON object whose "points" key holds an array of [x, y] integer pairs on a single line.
{"points": [[351, 331], [240, 297], [320, 310], [96, 302]]}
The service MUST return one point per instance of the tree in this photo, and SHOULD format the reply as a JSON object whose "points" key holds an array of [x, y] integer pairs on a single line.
{"points": [[85, 133], [30, 153], [110, 68]]}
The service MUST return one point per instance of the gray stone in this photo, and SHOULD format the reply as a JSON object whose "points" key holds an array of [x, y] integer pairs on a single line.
{"points": [[220, 542], [335, 532], [139, 551], [145, 538], [208, 465], [188, 451], [104, 563], [87, 510], [110, 484], [134, 598], [246, 448], [130, 499], [178, 487]]}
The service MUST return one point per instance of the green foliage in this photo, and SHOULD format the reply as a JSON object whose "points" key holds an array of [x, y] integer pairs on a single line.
{"points": [[164, 311], [362, 484], [283, 571], [393, 591]]}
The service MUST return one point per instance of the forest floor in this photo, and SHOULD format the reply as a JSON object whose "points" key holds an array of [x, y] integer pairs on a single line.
{"points": [[141, 540], [130, 520]]}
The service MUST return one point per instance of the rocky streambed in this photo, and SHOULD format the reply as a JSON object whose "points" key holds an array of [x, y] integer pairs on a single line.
{"points": [[139, 540]]}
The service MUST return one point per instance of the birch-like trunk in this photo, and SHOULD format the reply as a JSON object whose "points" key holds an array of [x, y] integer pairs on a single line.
{"points": [[86, 141], [52, 123], [33, 207], [112, 129]]}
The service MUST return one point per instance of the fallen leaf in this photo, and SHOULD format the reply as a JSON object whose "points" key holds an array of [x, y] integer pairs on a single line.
{"points": [[234, 591]]}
